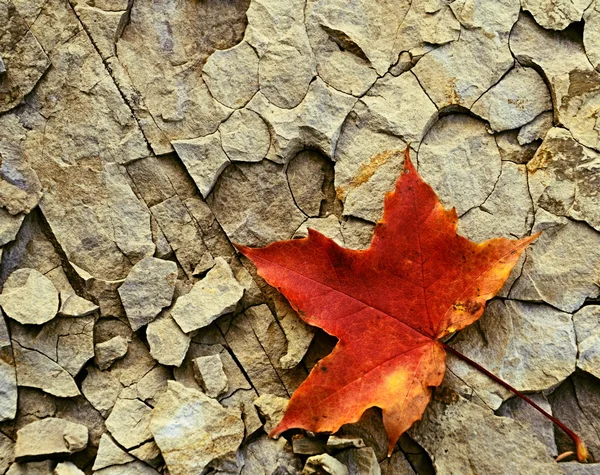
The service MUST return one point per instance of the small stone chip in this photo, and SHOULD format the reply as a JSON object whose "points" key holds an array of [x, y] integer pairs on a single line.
{"points": [[50, 436], [109, 351], [29, 297], [218, 293], [209, 373], [325, 463]]}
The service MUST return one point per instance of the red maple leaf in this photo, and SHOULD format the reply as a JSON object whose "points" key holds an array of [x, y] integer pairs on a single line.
{"points": [[388, 306]]}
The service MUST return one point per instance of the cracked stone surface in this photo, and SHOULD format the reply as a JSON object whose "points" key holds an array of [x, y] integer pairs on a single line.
{"points": [[50, 436], [139, 140]]}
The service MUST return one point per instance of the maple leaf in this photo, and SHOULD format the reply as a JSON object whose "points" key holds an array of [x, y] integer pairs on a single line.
{"points": [[388, 306]]}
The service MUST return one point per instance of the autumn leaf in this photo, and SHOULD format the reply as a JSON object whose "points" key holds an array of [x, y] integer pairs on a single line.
{"points": [[388, 306]]}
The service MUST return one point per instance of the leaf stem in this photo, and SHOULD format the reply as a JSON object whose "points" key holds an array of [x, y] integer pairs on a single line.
{"points": [[582, 452]]}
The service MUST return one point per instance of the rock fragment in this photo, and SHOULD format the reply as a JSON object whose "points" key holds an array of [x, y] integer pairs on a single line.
{"points": [[181, 232], [563, 279], [517, 99], [101, 389], [8, 379], [325, 463], [243, 203], [204, 159], [168, 343], [272, 409], [210, 375], [335, 443], [192, 429], [232, 75], [32, 468], [218, 293], [132, 468], [306, 176], [50, 437], [148, 288], [360, 461], [109, 454], [111, 350], [314, 124], [7, 452], [72, 305], [536, 129], [511, 354], [36, 370], [541, 427], [564, 178], [67, 468], [129, 422], [556, 14], [591, 33], [245, 136], [507, 211], [29, 297], [587, 330], [452, 434], [397, 464], [265, 455], [461, 161]]}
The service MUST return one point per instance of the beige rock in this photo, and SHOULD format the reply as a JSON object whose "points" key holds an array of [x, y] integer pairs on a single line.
{"points": [[272, 409], [210, 375], [111, 350], [7, 453], [9, 226], [232, 75], [67, 468], [29, 297], [32, 468], [265, 455], [8, 380], [511, 150], [564, 176], [458, 73], [556, 14], [339, 61], [23, 58], [165, 64], [517, 99], [591, 33], [244, 199], [36, 370], [335, 443], [132, 468], [360, 461], [168, 343], [329, 226], [148, 453], [204, 159], [463, 437], [129, 421], [507, 211], [299, 334], [181, 232], [72, 305], [110, 454], [245, 137], [460, 160], [20, 187], [285, 73], [104, 27], [192, 429], [536, 129], [394, 112], [587, 329], [50, 437], [572, 79], [324, 463], [397, 464], [101, 389], [315, 123], [306, 177], [150, 387], [540, 426], [533, 348], [218, 293], [148, 288]]}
